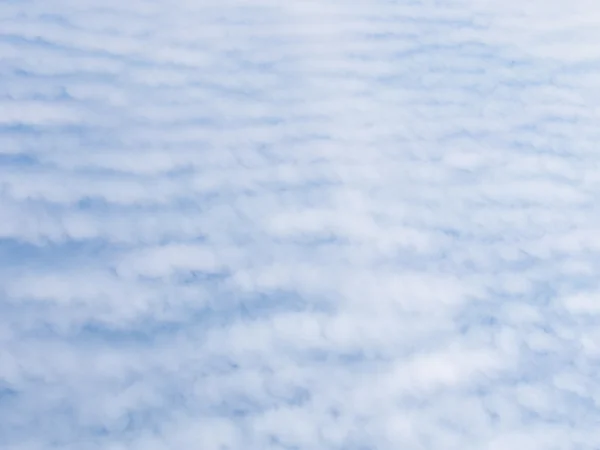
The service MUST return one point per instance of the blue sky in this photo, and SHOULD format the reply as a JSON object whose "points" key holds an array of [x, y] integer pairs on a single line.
{"points": [[299, 225]]}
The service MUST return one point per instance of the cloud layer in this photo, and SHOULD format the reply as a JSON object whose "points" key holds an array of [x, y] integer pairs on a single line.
{"points": [[299, 225]]}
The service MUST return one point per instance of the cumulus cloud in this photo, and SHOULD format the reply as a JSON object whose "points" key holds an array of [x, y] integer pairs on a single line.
{"points": [[299, 225]]}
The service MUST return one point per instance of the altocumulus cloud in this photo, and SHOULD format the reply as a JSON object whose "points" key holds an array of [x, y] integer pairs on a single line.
{"points": [[299, 224]]}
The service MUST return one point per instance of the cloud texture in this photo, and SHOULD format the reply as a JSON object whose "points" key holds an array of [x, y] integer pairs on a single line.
{"points": [[299, 225]]}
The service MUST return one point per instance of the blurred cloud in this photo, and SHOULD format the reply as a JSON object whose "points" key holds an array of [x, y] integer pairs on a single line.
{"points": [[299, 225]]}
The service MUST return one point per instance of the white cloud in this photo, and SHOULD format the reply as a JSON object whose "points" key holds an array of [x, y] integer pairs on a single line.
{"points": [[305, 224]]}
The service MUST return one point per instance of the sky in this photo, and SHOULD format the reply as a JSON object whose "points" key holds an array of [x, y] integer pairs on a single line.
{"points": [[299, 225]]}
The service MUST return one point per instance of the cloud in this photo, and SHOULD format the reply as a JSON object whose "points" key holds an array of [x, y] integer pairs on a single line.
{"points": [[298, 225]]}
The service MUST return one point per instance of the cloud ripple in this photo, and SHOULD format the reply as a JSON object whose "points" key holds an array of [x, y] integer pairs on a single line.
{"points": [[299, 225]]}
